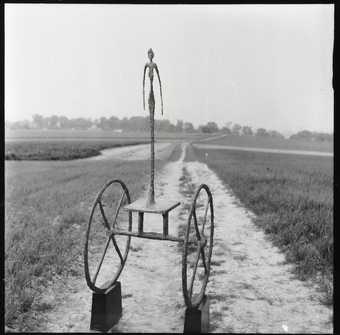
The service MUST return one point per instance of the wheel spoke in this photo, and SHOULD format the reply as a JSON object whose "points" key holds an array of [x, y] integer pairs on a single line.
{"points": [[117, 210], [205, 216], [101, 262], [109, 217], [117, 248], [196, 226], [194, 272], [106, 222], [204, 262]]}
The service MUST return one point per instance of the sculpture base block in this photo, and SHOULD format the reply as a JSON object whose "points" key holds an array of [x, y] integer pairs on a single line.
{"points": [[106, 308], [196, 320]]}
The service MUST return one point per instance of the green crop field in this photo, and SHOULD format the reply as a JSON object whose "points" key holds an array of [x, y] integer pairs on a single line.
{"points": [[292, 197], [74, 144], [96, 134], [62, 150], [272, 143]]}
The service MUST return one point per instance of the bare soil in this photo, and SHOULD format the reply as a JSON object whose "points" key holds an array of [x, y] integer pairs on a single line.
{"points": [[135, 152]]}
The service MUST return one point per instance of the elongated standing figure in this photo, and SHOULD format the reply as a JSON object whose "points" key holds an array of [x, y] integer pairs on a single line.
{"points": [[152, 66]]}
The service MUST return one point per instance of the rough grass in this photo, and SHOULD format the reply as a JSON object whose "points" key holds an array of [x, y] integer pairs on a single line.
{"points": [[272, 143], [47, 208], [61, 150], [292, 197], [92, 134]]}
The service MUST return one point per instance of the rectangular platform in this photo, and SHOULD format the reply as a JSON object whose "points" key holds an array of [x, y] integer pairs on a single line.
{"points": [[161, 206]]}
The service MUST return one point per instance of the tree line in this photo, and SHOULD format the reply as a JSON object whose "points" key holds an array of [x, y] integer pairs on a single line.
{"points": [[140, 123]]}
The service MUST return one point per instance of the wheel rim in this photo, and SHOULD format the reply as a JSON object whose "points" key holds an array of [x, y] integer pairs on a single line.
{"points": [[194, 247], [99, 209]]}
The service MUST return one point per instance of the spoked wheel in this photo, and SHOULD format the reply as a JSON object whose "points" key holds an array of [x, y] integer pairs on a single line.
{"points": [[106, 214], [197, 248]]}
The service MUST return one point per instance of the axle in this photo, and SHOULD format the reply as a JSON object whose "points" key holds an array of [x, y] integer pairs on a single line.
{"points": [[151, 236], [155, 236]]}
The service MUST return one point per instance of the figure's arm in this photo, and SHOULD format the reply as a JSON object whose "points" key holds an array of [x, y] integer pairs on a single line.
{"points": [[146, 65], [160, 86]]}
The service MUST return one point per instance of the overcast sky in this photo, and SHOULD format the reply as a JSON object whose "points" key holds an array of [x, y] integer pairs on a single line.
{"points": [[258, 65]]}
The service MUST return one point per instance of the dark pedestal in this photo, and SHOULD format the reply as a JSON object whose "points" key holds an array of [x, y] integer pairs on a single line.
{"points": [[196, 320], [106, 308]]}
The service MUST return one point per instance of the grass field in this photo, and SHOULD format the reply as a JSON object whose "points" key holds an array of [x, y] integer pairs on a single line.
{"points": [[62, 150], [47, 205], [273, 143], [74, 144], [292, 197], [47, 208], [54, 134]]}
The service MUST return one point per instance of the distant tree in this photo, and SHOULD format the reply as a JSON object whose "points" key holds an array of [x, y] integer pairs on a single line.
{"points": [[99, 122], [307, 135], [179, 126], [53, 122], [163, 125], [203, 129], [275, 134], [261, 132], [213, 127], [323, 137], [236, 129], [228, 124], [64, 122], [137, 123], [210, 127], [25, 124], [302, 135], [103, 123], [47, 122], [124, 123], [247, 130], [38, 121], [171, 128], [114, 122], [226, 130], [80, 123], [188, 127]]}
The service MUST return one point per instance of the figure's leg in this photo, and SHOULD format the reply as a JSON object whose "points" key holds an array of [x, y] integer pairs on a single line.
{"points": [[151, 194]]}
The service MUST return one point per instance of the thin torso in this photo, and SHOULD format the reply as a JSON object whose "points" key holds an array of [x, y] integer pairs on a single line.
{"points": [[151, 66]]}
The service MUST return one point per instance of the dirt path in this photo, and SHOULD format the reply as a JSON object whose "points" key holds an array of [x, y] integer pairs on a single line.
{"points": [[251, 289], [135, 152], [277, 151]]}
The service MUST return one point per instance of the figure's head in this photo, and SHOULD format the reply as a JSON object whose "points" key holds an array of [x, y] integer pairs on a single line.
{"points": [[150, 54]]}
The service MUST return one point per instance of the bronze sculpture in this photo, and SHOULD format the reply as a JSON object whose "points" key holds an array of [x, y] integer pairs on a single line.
{"points": [[152, 66], [196, 241]]}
